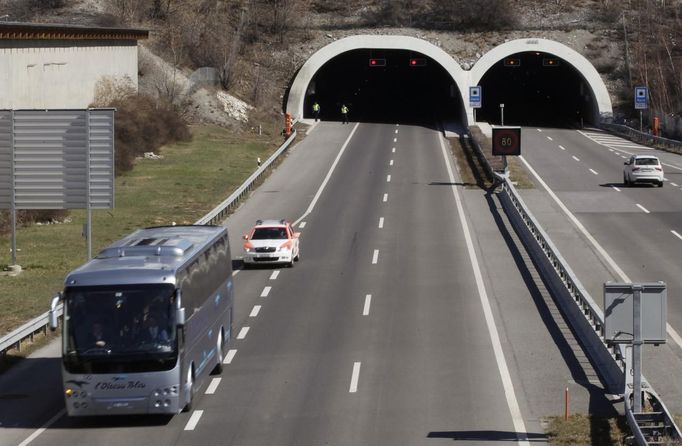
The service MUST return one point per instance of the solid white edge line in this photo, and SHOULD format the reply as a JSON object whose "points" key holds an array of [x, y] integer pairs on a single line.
{"points": [[42, 429], [255, 311], [368, 301], [375, 257], [594, 171], [265, 291], [326, 178], [230, 356], [643, 208], [243, 332], [385, 198], [625, 151], [355, 377], [215, 382], [381, 222], [194, 420], [677, 234], [607, 258], [510, 395]]}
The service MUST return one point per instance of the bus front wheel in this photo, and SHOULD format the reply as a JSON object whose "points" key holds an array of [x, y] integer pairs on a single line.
{"points": [[190, 390]]}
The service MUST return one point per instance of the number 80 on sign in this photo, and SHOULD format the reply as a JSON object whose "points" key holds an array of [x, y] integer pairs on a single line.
{"points": [[506, 141]]}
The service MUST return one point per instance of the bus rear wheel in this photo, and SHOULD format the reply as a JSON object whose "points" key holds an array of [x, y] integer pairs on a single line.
{"points": [[219, 354]]}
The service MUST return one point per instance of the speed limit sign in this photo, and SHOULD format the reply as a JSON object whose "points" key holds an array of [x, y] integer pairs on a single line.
{"points": [[506, 141]]}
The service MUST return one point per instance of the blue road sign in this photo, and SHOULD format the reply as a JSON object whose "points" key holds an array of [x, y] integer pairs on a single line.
{"points": [[641, 98], [475, 96]]}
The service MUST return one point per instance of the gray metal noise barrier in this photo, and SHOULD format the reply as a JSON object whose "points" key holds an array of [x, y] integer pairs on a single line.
{"points": [[584, 315]]}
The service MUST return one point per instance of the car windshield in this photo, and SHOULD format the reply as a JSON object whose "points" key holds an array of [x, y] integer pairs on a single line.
{"points": [[130, 320], [269, 234], [646, 161]]}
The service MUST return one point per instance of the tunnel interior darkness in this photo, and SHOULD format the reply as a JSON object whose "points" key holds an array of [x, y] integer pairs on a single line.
{"points": [[421, 92], [536, 89]]}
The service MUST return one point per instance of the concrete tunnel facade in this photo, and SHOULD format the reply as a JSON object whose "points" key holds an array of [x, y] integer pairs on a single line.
{"points": [[461, 79]]}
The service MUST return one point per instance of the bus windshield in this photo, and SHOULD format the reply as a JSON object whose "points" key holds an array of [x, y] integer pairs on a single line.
{"points": [[130, 322]]}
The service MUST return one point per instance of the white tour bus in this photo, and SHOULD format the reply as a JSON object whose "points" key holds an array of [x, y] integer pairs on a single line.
{"points": [[146, 321]]}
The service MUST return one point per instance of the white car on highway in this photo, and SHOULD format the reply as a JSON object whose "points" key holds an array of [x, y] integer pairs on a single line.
{"points": [[643, 169], [271, 241]]}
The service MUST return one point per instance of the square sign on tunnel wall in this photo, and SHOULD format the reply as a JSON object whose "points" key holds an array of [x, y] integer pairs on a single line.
{"points": [[506, 141]]}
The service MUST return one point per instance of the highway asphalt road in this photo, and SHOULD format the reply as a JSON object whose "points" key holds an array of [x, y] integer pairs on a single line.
{"points": [[410, 318], [638, 227]]}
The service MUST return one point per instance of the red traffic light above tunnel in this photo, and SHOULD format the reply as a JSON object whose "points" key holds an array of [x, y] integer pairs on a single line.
{"points": [[377, 62], [417, 62]]}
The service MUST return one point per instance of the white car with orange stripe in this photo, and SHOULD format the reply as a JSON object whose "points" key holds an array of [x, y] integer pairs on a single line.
{"points": [[271, 242]]}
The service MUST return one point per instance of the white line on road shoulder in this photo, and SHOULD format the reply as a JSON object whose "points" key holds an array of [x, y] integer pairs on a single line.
{"points": [[194, 420], [375, 257], [274, 275], [615, 188], [643, 208], [614, 266], [301, 225], [355, 377], [368, 301], [210, 390], [510, 395], [673, 184], [42, 429], [381, 222], [677, 234], [594, 171], [230, 356], [255, 311], [243, 332], [575, 158], [235, 272], [326, 178], [385, 198], [265, 291]]}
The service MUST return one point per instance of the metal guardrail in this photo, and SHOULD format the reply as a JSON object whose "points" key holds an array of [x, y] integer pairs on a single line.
{"points": [[15, 339], [584, 315], [668, 145]]}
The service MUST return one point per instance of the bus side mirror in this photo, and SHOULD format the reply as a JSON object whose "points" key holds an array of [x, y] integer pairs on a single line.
{"points": [[53, 316], [180, 317]]}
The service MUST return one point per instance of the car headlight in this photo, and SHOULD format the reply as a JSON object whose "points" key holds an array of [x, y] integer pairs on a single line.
{"points": [[247, 249]]}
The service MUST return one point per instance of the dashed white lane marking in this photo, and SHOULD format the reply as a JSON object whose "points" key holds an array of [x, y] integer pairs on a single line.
{"points": [[575, 158], [215, 382], [301, 225], [194, 420], [395, 139], [49, 423], [265, 291], [391, 163], [243, 332], [230, 356], [617, 153], [594, 171], [397, 125], [611, 150], [388, 178], [615, 188], [375, 257], [235, 272], [677, 339], [673, 184], [326, 178], [385, 198], [381, 222], [505, 376], [355, 377], [642, 208], [368, 301], [274, 275], [255, 311], [623, 156], [396, 132], [562, 147], [393, 150], [540, 130], [550, 138], [676, 234]]}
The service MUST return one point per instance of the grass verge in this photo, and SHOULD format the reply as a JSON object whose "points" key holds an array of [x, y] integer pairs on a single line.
{"points": [[189, 181], [583, 430]]}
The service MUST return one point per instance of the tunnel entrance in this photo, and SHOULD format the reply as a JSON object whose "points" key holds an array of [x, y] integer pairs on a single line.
{"points": [[392, 86], [537, 89]]}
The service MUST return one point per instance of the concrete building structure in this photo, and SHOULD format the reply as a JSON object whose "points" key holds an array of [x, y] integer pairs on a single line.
{"points": [[59, 66]]}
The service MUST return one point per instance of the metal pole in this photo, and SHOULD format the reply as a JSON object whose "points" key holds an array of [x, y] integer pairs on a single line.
{"points": [[502, 114], [88, 230], [474, 115], [14, 195], [637, 347], [641, 127]]}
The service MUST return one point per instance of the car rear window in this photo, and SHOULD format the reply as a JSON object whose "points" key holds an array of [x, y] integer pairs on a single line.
{"points": [[269, 234], [646, 161]]}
